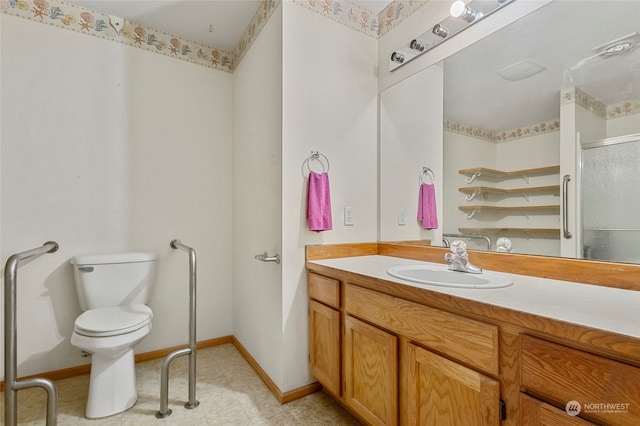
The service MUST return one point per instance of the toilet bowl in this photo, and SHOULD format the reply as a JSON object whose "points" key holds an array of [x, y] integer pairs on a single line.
{"points": [[110, 331], [113, 380]]}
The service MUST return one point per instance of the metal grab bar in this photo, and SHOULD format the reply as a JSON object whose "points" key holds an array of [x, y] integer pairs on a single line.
{"points": [[10, 343], [190, 350], [565, 205]]}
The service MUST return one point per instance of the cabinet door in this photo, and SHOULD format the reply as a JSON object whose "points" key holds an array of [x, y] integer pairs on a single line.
{"points": [[324, 345], [442, 392], [371, 372]]}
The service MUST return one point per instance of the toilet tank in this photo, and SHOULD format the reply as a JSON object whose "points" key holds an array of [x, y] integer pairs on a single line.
{"points": [[114, 279]]}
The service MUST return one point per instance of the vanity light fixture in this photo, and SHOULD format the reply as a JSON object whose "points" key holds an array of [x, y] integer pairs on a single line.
{"points": [[417, 45], [397, 57], [460, 10], [440, 31], [445, 29]]}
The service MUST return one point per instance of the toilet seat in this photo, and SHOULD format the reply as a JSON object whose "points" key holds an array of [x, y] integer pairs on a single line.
{"points": [[113, 321]]}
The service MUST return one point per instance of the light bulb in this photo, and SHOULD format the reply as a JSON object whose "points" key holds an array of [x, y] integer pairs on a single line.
{"points": [[397, 57], [439, 30], [417, 45], [457, 8]]}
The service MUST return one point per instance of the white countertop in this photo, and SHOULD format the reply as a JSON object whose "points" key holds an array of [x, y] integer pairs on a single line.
{"points": [[605, 308]]}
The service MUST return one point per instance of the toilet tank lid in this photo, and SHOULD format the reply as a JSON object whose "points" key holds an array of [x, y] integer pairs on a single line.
{"points": [[108, 258]]}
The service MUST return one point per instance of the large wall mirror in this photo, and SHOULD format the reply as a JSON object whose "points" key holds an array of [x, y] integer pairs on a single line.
{"points": [[539, 142]]}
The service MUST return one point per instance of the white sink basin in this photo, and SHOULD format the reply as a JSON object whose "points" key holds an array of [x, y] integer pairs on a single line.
{"points": [[442, 276]]}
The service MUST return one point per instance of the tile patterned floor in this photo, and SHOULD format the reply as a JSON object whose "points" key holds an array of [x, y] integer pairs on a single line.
{"points": [[228, 389]]}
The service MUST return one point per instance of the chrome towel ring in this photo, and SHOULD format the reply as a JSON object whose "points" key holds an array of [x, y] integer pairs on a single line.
{"points": [[426, 171], [315, 156]]}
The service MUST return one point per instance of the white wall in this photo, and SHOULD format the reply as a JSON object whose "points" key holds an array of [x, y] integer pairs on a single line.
{"points": [[464, 152], [109, 148], [410, 138], [257, 198], [529, 153], [329, 105], [625, 125]]}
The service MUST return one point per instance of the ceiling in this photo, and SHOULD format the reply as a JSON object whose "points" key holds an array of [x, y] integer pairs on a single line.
{"points": [[214, 23], [561, 36]]}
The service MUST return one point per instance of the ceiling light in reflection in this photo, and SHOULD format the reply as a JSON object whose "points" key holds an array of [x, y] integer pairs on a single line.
{"points": [[439, 30], [460, 10]]}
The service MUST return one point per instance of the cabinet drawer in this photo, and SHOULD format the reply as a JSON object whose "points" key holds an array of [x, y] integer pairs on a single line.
{"points": [[534, 412], [606, 390], [471, 342], [324, 289]]}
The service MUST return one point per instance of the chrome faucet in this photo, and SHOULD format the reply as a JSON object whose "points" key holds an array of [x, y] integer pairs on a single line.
{"points": [[459, 259]]}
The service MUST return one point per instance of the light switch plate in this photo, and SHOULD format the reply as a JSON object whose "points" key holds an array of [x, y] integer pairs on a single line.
{"points": [[348, 216], [402, 216]]}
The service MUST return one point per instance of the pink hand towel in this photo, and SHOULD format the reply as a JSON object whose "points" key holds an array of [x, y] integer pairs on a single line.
{"points": [[319, 202], [427, 212]]}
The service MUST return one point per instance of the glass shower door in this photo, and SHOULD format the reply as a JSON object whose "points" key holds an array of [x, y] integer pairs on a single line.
{"points": [[610, 194]]}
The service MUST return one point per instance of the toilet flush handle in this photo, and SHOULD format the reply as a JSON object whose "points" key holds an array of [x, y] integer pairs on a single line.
{"points": [[86, 268]]}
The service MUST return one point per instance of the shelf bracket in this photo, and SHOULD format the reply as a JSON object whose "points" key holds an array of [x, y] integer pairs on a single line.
{"points": [[472, 213], [475, 193], [526, 196], [473, 177], [526, 178], [527, 215]]}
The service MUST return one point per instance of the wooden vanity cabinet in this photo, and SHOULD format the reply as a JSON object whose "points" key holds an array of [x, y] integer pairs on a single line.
{"points": [[398, 355], [325, 332], [434, 388], [392, 361]]}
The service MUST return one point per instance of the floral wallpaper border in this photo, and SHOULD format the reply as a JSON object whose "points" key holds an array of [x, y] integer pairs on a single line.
{"points": [[535, 129], [585, 100], [467, 130], [79, 19], [392, 15], [504, 135], [359, 18], [344, 12], [76, 18], [258, 22], [82, 20], [620, 109], [623, 108]]}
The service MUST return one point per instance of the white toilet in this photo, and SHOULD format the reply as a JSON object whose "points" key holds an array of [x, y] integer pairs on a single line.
{"points": [[113, 290]]}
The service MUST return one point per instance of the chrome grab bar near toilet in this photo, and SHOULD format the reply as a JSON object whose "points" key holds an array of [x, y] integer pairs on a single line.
{"points": [[191, 350], [11, 384]]}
